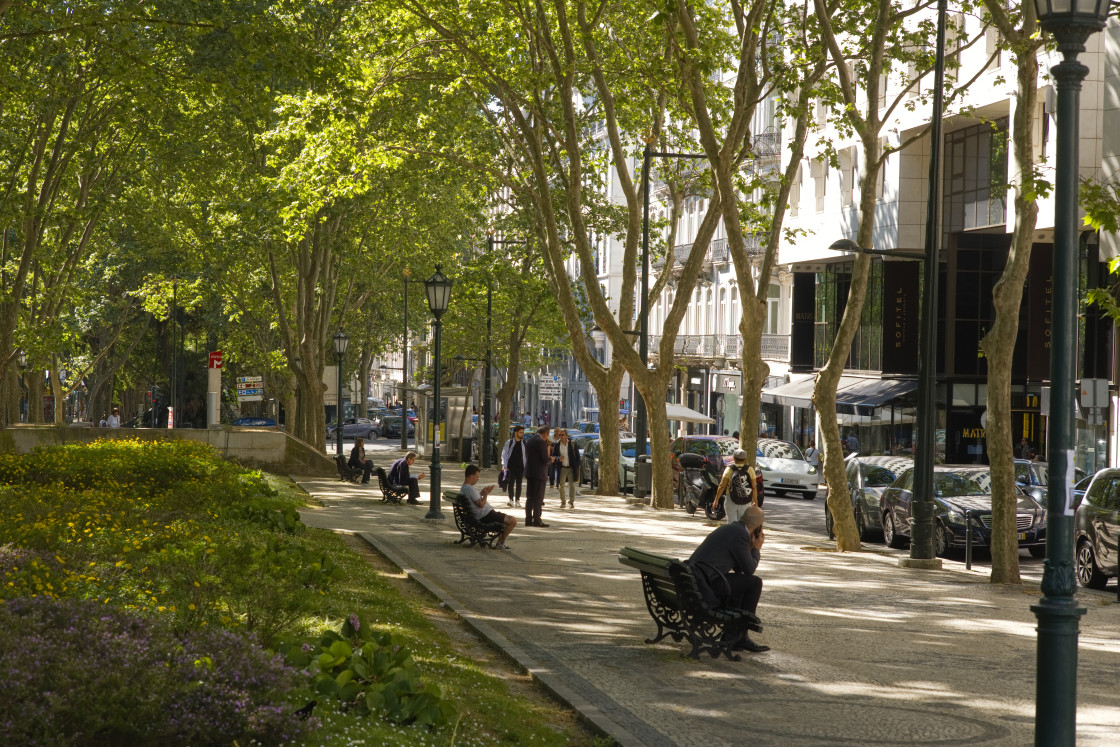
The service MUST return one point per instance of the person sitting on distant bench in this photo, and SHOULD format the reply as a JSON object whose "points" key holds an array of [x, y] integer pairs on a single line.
{"points": [[358, 459], [483, 512], [398, 475]]}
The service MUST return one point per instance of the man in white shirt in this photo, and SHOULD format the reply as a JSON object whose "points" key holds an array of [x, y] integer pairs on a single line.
{"points": [[482, 510]]}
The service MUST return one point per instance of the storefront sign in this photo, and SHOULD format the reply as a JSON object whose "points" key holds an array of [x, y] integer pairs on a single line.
{"points": [[900, 317], [804, 316]]}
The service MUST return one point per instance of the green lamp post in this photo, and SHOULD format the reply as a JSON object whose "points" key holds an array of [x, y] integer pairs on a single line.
{"points": [[438, 288]]}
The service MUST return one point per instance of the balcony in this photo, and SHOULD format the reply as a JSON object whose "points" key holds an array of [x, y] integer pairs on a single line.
{"points": [[775, 347], [720, 348]]}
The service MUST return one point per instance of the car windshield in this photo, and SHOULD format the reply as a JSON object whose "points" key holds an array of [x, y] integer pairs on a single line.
{"points": [[772, 449], [948, 484], [877, 477], [629, 449]]}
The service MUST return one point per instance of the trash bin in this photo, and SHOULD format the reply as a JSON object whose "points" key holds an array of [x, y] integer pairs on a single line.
{"points": [[643, 476], [467, 450]]}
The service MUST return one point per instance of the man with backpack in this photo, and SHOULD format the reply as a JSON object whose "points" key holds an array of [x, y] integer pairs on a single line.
{"points": [[740, 484]]}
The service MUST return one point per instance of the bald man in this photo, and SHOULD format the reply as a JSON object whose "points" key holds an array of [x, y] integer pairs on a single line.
{"points": [[724, 565]]}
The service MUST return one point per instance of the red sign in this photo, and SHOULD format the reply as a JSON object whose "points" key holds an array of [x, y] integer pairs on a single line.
{"points": [[216, 359]]}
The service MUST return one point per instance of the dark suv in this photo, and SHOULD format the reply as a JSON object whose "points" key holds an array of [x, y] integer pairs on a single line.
{"points": [[717, 450], [1097, 526]]}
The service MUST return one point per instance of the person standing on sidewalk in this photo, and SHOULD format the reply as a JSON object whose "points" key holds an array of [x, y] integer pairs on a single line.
{"points": [[740, 485], [483, 511], [554, 467], [537, 462], [724, 565], [399, 475], [514, 459], [566, 456]]}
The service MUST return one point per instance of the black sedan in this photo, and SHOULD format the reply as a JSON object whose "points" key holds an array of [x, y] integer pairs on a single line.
{"points": [[1097, 526], [963, 499], [391, 426]]}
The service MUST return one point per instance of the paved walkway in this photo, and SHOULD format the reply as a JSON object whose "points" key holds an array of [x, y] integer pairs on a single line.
{"points": [[864, 652]]}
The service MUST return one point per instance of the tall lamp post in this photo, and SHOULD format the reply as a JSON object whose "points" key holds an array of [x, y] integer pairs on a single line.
{"points": [[341, 342], [23, 384], [404, 367], [438, 288], [1071, 22]]}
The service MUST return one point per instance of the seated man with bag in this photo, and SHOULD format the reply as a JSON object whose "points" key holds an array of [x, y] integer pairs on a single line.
{"points": [[724, 566], [398, 475], [483, 512], [741, 485]]}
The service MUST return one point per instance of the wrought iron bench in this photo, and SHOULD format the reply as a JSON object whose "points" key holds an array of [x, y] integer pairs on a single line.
{"points": [[677, 606], [346, 473], [390, 493], [471, 529]]}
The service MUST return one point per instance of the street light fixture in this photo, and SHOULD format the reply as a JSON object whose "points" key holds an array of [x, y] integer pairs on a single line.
{"points": [[1071, 22], [23, 384], [404, 367], [438, 288], [341, 342]]}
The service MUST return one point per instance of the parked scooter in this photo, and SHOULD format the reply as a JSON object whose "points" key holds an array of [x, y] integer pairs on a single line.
{"points": [[697, 485]]}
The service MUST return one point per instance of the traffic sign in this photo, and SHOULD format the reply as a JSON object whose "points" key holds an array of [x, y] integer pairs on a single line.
{"points": [[215, 360]]}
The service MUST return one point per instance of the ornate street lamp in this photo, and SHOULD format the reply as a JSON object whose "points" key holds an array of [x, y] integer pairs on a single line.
{"points": [[22, 384], [341, 342], [404, 367], [438, 288], [1071, 22]]}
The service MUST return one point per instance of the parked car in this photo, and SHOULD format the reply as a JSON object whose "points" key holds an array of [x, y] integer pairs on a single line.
{"points": [[355, 428], [589, 463], [719, 451], [255, 422], [784, 469], [581, 440], [1096, 529], [957, 489], [586, 426], [391, 426], [868, 476]]}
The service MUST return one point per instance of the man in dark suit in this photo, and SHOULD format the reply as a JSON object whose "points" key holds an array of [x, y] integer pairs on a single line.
{"points": [[539, 453], [724, 565]]}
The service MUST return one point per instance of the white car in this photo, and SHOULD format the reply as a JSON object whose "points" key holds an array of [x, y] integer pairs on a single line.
{"points": [[784, 469]]}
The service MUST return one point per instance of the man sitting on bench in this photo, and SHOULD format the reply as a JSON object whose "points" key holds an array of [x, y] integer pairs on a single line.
{"points": [[483, 512], [398, 475], [724, 566]]}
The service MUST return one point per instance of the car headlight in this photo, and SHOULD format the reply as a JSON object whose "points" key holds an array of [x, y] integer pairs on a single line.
{"points": [[955, 517], [812, 470]]}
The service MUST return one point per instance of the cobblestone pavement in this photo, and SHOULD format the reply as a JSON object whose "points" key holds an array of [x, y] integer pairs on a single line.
{"points": [[864, 652]]}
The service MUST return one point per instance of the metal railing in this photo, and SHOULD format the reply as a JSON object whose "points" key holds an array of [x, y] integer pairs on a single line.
{"points": [[775, 347]]}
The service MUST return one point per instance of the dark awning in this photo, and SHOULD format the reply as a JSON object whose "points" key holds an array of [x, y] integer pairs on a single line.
{"points": [[874, 392], [794, 394]]}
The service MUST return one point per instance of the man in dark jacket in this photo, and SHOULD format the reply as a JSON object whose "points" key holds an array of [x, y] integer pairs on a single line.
{"points": [[724, 565], [399, 475], [539, 457]]}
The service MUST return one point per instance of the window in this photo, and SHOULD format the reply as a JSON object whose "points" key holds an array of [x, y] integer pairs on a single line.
{"points": [[721, 323], [832, 297], [734, 309], [975, 187], [992, 46], [709, 317], [773, 302], [819, 172], [795, 193], [847, 175]]}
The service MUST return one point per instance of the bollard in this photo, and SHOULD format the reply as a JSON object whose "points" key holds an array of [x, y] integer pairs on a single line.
{"points": [[968, 539]]}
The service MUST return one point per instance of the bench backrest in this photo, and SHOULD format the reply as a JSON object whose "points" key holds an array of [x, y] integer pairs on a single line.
{"points": [[382, 478]]}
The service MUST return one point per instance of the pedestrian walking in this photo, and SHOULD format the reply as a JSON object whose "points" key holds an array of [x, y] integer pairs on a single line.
{"points": [[514, 459], [538, 458], [740, 485], [565, 456]]}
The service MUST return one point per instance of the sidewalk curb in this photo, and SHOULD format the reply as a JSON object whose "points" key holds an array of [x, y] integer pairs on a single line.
{"points": [[587, 710]]}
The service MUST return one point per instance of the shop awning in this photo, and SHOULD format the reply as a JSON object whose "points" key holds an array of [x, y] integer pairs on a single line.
{"points": [[686, 415], [874, 392], [793, 394], [851, 390]]}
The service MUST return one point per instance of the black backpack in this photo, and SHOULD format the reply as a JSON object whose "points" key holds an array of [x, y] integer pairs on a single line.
{"points": [[742, 485]]}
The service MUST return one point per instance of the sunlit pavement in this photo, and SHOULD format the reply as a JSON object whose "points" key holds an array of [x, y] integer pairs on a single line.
{"points": [[864, 652]]}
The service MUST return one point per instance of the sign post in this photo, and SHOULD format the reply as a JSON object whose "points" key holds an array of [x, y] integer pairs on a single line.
{"points": [[214, 389]]}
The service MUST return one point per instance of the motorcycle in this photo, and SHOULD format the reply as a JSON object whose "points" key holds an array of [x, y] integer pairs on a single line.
{"points": [[696, 486]]}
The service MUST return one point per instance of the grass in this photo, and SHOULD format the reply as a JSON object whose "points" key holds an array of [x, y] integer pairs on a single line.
{"points": [[173, 534]]}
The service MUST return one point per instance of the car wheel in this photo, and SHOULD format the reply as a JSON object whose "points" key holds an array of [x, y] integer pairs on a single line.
{"points": [[809, 496], [828, 525], [372, 434], [890, 537], [1037, 551], [1089, 574], [940, 541]]}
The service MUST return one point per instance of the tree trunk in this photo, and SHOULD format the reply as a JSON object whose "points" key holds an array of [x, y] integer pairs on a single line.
{"points": [[998, 344], [34, 381]]}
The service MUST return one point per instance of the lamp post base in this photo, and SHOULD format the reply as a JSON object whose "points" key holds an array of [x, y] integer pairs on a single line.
{"points": [[925, 564]]}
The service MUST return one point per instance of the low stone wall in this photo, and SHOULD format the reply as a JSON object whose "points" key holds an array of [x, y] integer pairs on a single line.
{"points": [[259, 448]]}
